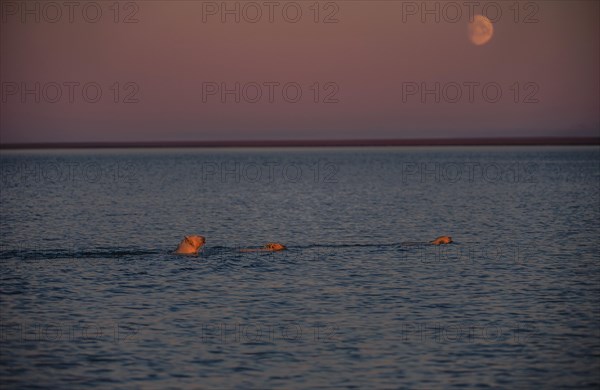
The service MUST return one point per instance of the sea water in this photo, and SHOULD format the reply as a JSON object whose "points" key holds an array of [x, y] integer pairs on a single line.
{"points": [[91, 295]]}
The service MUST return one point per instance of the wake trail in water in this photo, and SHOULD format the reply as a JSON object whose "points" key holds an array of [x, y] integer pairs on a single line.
{"points": [[104, 252]]}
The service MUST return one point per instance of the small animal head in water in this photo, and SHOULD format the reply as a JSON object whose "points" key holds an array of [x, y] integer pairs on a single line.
{"points": [[190, 245], [442, 240], [195, 241], [274, 246]]}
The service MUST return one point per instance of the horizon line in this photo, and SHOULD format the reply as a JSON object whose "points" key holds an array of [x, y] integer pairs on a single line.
{"points": [[496, 141]]}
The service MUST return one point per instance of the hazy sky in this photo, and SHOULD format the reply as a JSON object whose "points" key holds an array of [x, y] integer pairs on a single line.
{"points": [[360, 76]]}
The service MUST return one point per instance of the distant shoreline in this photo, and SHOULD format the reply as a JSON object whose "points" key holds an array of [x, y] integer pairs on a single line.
{"points": [[537, 141]]}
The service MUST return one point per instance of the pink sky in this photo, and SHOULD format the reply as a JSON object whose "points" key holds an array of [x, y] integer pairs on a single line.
{"points": [[178, 50]]}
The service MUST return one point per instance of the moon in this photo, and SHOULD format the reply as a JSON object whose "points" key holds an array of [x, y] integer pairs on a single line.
{"points": [[480, 30]]}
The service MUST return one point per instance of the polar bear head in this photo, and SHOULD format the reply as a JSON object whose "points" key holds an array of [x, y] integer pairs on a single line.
{"points": [[190, 245], [275, 246]]}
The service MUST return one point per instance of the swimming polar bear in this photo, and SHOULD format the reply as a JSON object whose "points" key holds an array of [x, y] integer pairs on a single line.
{"points": [[275, 247], [442, 240], [190, 245], [269, 247]]}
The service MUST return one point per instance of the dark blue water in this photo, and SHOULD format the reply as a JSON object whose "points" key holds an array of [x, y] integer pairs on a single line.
{"points": [[91, 296]]}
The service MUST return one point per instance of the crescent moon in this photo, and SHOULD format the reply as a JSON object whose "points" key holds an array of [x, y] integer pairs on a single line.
{"points": [[481, 30]]}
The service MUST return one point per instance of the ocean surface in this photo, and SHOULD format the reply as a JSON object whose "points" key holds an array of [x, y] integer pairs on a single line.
{"points": [[91, 295]]}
